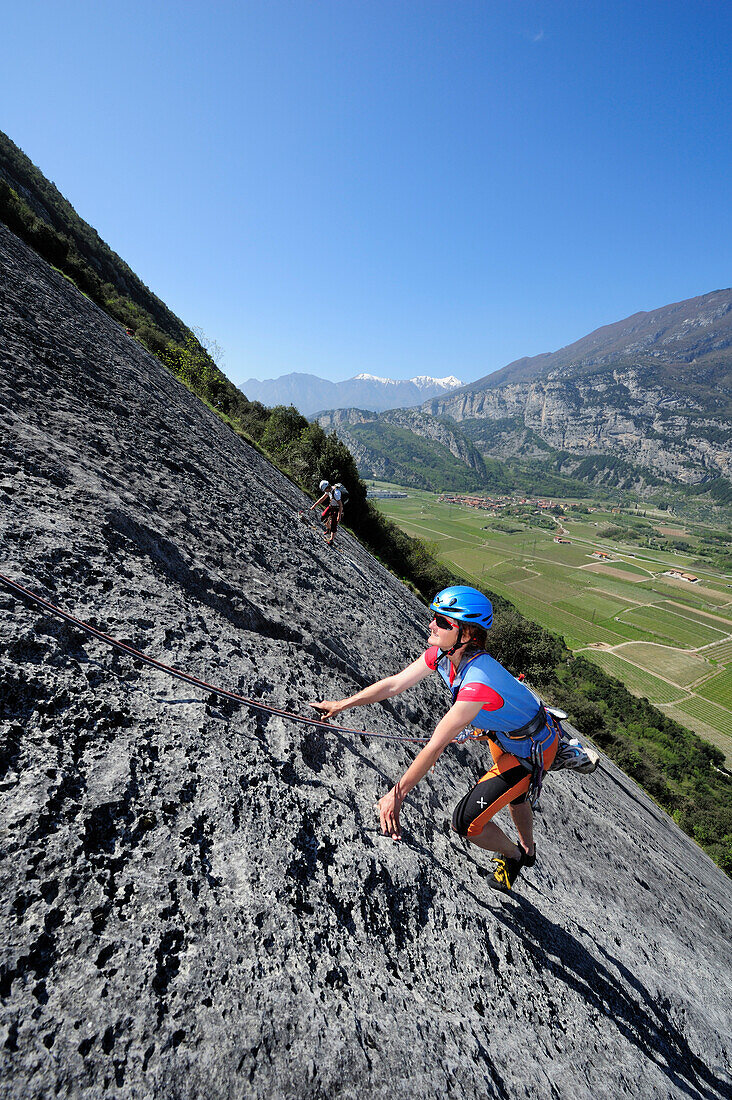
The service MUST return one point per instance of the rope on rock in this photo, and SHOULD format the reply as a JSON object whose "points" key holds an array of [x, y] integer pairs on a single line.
{"points": [[194, 681]]}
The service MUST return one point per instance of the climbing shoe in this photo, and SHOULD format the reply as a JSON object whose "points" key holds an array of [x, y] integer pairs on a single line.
{"points": [[580, 758], [506, 871], [529, 860]]}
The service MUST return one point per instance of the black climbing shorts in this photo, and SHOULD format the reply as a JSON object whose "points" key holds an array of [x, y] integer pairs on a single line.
{"points": [[507, 783]]}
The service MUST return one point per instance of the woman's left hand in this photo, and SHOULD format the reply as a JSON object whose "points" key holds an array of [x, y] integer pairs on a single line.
{"points": [[329, 707], [389, 807]]}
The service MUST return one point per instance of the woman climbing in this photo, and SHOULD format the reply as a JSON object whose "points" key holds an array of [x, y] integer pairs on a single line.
{"points": [[523, 738]]}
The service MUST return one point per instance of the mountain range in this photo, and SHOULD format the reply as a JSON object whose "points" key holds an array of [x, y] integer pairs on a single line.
{"points": [[645, 400], [309, 394]]}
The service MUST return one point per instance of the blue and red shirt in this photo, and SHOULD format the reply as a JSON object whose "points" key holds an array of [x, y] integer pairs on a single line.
{"points": [[507, 704]]}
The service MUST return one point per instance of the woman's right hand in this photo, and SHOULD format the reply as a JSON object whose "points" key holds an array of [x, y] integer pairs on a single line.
{"points": [[329, 707]]}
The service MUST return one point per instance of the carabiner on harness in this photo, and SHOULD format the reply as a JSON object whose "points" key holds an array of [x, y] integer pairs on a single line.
{"points": [[537, 776]]}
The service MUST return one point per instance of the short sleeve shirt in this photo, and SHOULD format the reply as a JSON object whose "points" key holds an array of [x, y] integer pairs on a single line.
{"points": [[507, 703]]}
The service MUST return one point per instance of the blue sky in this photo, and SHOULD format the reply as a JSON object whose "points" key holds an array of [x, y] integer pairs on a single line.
{"points": [[395, 186]]}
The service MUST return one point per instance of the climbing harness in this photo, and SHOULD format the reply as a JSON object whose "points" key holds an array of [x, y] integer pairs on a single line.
{"points": [[534, 763], [194, 681]]}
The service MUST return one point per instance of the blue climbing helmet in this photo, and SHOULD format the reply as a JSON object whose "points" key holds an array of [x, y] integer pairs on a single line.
{"points": [[465, 605]]}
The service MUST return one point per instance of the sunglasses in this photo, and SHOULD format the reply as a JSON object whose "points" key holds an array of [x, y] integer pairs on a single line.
{"points": [[443, 623]]}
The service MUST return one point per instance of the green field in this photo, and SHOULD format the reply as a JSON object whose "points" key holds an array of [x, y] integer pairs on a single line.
{"points": [[511, 574], [593, 605], [718, 689], [693, 595], [476, 560], [671, 627], [537, 586], [718, 620], [721, 653], [651, 624], [630, 593], [635, 679], [719, 718], [632, 570], [680, 666]]}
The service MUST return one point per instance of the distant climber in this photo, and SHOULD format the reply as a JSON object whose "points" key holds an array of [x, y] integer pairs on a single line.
{"points": [[336, 495], [524, 739]]}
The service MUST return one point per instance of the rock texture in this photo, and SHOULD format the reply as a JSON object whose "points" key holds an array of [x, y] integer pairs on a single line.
{"points": [[196, 901], [654, 389]]}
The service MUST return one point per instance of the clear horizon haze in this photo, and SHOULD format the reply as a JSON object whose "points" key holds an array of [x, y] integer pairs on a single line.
{"points": [[412, 187]]}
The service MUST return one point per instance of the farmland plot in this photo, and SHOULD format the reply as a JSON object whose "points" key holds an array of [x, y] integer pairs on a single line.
{"points": [[637, 680], [593, 605], [718, 718], [718, 688], [671, 627], [721, 653], [675, 664], [718, 620]]}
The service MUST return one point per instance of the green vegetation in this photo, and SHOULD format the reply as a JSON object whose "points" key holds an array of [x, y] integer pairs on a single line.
{"points": [[638, 680], [671, 628], [719, 717], [679, 666], [536, 468], [423, 463], [718, 689], [433, 465], [721, 653]]}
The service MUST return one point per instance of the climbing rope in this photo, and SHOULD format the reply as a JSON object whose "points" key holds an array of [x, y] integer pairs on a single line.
{"points": [[194, 681]]}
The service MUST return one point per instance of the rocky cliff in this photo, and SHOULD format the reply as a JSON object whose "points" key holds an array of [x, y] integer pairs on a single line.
{"points": [[654, 390], [196, 900], [616, 413]]}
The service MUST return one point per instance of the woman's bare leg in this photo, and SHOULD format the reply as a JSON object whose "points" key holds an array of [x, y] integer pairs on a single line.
{"points": [[495, 840], [523, 819]]}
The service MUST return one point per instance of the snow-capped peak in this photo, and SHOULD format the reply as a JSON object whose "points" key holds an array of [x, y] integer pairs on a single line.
{"points": [[422, 381], [371, 378]]}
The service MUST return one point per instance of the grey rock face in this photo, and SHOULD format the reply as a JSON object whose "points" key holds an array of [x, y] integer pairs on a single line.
{"points": [[650, 428], [653, 389], [196, 899]]}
